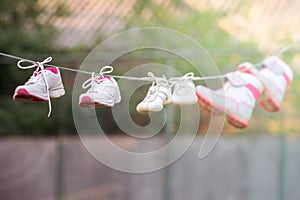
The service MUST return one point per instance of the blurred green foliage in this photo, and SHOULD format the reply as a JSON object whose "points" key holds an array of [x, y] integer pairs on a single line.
{"points": [[26, 30], [202, 26], [225, 49]]}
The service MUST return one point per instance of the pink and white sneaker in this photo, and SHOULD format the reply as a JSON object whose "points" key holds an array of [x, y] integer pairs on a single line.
{"points": [[103, 92], [275, 76], [35, 89], [237, 98]]}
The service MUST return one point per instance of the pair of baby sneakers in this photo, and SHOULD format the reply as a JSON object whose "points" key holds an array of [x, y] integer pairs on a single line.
{"points": [[46, 83], [160, 93], [246, 86]]}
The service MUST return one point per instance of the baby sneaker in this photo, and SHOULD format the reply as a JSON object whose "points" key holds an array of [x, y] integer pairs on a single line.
{"points": [[275, 76], [184, 90], [237, 97], [158, 95], [103, 90], [42, 83]]}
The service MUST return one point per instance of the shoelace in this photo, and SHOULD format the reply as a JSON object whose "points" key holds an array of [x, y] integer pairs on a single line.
{"points": [[40, 66], [95, 77], [156, 82], [183, 79]]}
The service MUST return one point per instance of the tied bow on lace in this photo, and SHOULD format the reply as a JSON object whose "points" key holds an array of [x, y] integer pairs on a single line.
{"points": [[95, 77], [156, 81], [40, 68], [182, 79]]}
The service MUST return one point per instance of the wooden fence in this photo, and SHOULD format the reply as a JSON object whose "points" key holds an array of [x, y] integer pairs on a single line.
{"points": [[239, 168]]}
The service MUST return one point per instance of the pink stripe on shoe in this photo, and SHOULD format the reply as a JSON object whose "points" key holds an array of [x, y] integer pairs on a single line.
{"points": [[254, 90], [52, 69], [234, 121], [23, 95], [287, 79]]}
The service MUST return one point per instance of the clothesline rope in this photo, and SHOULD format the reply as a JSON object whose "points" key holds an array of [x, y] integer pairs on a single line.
{"points": [[222, 76]]}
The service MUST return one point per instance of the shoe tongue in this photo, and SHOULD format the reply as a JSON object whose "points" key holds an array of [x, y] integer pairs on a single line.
{"points": [[35, 73], [102, 78], [52, 69], [106, 77], [274, 64], [235, 79], [151, 92]]}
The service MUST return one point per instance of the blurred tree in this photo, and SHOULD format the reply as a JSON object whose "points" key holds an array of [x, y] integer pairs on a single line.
{"points": [[26, 30], [204, 27]]}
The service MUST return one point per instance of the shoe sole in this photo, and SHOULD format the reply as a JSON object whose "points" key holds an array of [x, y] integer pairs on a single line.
{"points": [[270, 105], [207, 105], [147, 111], [233, 118], [180, 103], [267, 100], [236, 122], [88, 102], [24, 96], [57, 92]]}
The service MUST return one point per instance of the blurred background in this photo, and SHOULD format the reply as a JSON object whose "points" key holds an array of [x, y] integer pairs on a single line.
{"points": [[42, 158]]}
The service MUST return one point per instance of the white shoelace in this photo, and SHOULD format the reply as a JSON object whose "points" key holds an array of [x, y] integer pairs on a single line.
{"points": [[104, 70], [183, 79], [40, 66], [94, 81]]}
